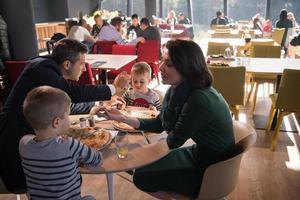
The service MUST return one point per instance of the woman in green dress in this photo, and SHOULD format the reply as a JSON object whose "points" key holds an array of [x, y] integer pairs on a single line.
{"points": [[192, 108]]}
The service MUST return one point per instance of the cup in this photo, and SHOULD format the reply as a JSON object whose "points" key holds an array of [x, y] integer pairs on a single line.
{"points": [[121, 141]]}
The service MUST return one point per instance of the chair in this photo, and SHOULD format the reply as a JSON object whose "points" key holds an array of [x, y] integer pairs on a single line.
{"points": [[216, 48], [122, 50], [278, 34], [4, 190], [263, 50], [87, 76], [220, 179], [149, 52], [286, 101], [221, 35], [103, 47], [14, 69], [233, 91]]}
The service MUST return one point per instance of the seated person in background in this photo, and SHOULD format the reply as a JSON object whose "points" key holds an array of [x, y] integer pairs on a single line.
{"points": [[182, 19], [112, 32], [99, 23], [257, 24], [171, 18], [219, 20], [81, 34], [267, 28], [140, 95], [149, 32], [51, 161], [225, 17], [135, 26]]}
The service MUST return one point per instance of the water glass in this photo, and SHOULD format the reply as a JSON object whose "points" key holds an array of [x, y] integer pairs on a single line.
{"points": [[121, 141]]}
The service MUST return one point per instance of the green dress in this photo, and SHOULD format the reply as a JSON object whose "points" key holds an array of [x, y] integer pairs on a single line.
{"points": [[202, 115]]}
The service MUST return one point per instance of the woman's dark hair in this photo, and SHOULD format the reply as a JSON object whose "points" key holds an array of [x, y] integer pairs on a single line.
{"points": [[283, 14], [188, 59], [68, 49]]}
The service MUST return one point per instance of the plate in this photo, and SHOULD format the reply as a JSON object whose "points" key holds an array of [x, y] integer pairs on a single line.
{"points": [[124, 127], [98, 140], [144, 114]]}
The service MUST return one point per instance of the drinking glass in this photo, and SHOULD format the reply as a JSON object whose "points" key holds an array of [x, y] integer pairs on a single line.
{"points": [[121, 141]]}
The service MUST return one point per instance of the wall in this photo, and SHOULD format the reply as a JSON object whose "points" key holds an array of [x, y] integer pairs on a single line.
{"points": [[50, 11]]}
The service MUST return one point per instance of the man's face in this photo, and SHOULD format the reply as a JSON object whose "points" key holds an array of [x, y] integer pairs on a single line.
{"points": [[143, 27], [99, 21], [76, 69], [135, 22], [119, 27]]}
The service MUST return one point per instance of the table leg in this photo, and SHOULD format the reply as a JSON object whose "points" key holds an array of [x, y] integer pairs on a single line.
{"points": [[104, 76], [110, 183]]}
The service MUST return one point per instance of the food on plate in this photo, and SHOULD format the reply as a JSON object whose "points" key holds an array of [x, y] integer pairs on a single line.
{"points": [[123, 127], [97, 140]]}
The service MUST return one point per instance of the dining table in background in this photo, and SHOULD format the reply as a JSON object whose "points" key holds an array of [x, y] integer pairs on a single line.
{"points": [[105, 62]]}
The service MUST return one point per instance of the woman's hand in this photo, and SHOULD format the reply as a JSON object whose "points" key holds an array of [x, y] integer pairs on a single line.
{"points": [[96, 109], [112, 114]]}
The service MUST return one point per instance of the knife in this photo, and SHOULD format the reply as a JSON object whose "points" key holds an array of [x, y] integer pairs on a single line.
{"points": [[146, 137]]}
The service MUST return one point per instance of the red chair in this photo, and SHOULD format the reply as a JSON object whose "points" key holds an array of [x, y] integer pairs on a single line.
{"points": [[122, 50], [149, 53], [14, 69], [103, 47], [164, 26], [87, 76], [184, 34]]}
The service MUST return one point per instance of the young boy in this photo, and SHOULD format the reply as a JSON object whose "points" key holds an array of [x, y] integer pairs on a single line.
{"points": [[140, 95], [50, 161]]}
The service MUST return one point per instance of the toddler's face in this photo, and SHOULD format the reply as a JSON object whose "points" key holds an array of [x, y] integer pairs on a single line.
{"points": [[140, 82]]}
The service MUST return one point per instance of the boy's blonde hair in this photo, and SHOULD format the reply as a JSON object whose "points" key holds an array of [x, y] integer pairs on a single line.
{"points": [[43, 104], [141, 68]]}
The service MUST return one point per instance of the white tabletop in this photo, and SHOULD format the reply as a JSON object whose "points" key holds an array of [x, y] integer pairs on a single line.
{"points": [[231, 41], [272, 66], [111, 61]]}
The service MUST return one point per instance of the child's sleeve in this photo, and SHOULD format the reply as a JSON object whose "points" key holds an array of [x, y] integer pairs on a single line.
{"points": [[84, 154], [156, 101]]}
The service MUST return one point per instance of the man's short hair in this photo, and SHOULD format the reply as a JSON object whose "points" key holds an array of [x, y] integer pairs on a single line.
{"points": [[134, 16], [219, 13], [97, 16], [68, 49], [43, 104], [145, 21], [141, 68], [116, 21]]}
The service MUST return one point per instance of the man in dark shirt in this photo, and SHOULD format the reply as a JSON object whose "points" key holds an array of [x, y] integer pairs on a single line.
{"points": [[135, 26], [149, 32], [66, 63], [219, 20], [99, 23]]}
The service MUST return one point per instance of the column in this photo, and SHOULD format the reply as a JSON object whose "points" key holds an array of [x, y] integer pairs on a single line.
{"points": [[21, 28], [150, 6], [129, 8]]}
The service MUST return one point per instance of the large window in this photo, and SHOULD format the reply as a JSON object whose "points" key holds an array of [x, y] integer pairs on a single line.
{"points": [[289, 5], [245, 9]]}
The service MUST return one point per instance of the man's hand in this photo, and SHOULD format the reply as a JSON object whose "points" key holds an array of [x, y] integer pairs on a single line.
{"points": [[141, 39], [121, 83]]}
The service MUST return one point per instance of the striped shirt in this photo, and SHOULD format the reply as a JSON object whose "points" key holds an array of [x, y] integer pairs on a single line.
{"points": [[133, 98], [51, 166]]}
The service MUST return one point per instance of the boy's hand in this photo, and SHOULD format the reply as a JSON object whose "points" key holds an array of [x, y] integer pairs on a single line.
{"points": [[118, 102], [121, 83]]}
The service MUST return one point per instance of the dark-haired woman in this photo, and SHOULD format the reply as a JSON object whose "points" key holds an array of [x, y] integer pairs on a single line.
{"points": [[284, 22], [192, 109]]}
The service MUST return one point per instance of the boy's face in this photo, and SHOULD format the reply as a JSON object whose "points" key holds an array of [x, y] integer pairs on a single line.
{"points": [[140, 82]]}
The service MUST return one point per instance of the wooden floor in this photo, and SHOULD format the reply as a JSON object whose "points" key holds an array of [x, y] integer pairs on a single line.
{"points": [[264, 175]]}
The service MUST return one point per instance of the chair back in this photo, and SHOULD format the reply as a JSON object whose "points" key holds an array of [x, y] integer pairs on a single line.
{"points": [[221, 26], [148, 51], [14, 69], [260, 43], [216, 48], [233, 91], [122, 50], [103, 47], [266, 51], [220, 178], [289, 91], [87, 75], [278, 34], [221, 35], [164, 26]]}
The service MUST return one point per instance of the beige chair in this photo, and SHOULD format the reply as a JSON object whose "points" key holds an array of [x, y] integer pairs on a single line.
{"points": [[216, 48], [286, 101], [220, 178], [230, 82], [266, 51], [277, 35], [221, 35], [3, 190]]}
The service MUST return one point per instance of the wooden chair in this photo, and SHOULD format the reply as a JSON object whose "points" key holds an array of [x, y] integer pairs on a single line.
{"points": [[217, 48], [286, 101], [149, 53], [233, 91], [220, 179], [14, 69], [262, 51], [277, 35], [122, 50]]}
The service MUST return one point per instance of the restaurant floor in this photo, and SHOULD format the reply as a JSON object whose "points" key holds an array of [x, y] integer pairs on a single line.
{"points": [[264, 175]]}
